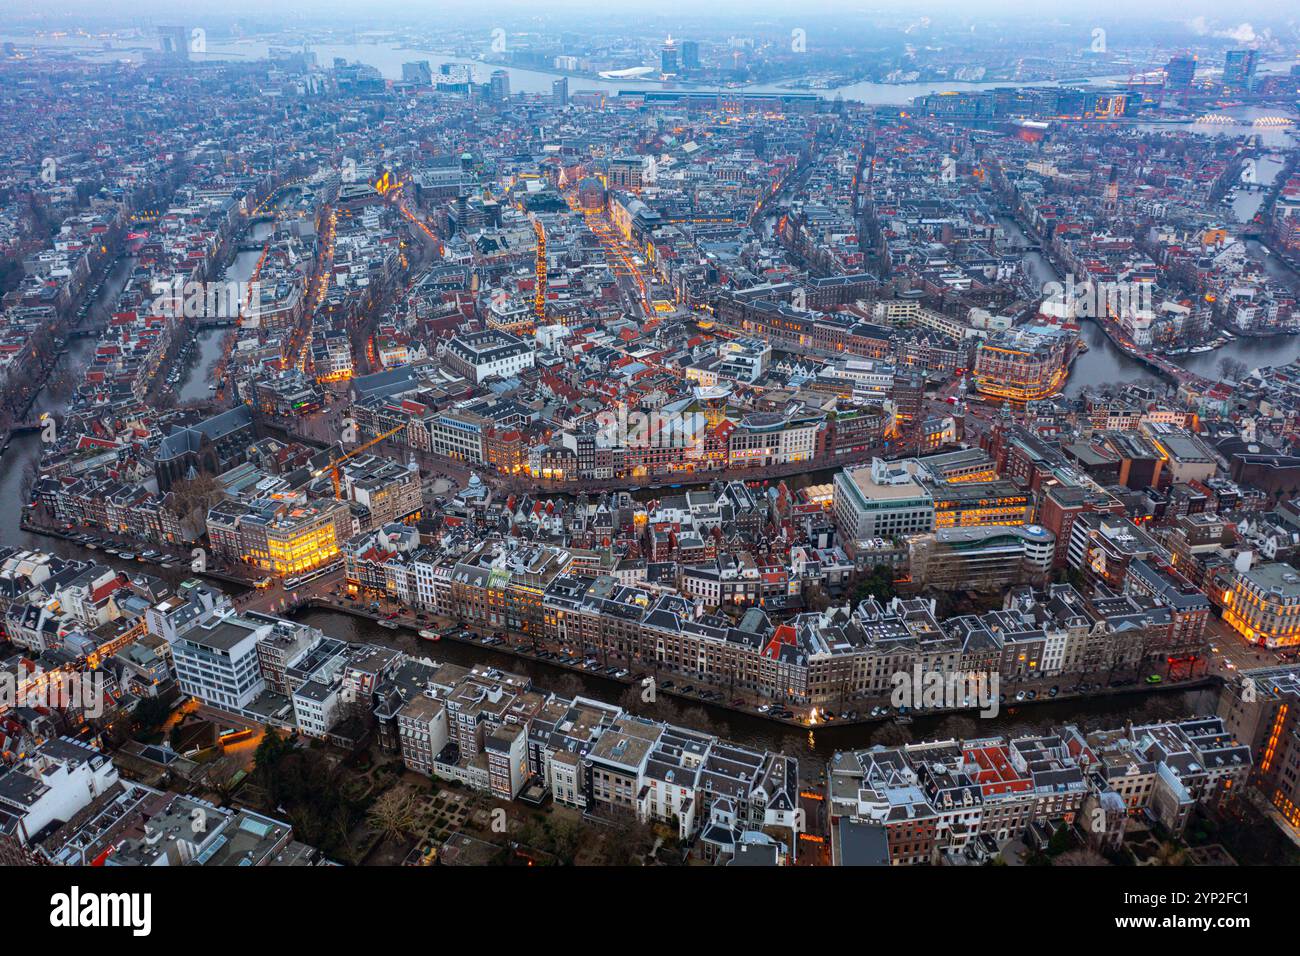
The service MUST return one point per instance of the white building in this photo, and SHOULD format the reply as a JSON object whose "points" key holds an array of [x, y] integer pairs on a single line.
{"points": [[217, 662], [882, 500], [55, 783], [483, 355]]}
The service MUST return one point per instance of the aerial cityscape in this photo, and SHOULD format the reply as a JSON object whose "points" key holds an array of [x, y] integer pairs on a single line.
{"points": [[613, 437]]}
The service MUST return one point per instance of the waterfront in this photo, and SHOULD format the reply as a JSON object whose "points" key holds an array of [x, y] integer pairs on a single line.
{"points": [[1104, 364], [193, 385], [813, 746], [388, 58], [24, 450]]}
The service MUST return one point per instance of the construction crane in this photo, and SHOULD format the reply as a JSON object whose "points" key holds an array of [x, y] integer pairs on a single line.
{"points": [[333, 466]]}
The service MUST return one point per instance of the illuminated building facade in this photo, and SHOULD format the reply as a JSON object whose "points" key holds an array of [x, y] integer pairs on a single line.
{"points": [[1263, 605], [1024, 364], [388, 490], [282, 537], [1262, 709], [769, 438], [980, 504], [493, 588]]}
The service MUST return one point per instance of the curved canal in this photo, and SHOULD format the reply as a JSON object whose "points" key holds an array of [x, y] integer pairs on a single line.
{"points": [[814, 745]]}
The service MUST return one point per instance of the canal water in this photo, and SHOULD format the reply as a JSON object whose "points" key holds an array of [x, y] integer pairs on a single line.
{"points": [[25, 448], [813, 746], [194, 384], [1104, 364]]}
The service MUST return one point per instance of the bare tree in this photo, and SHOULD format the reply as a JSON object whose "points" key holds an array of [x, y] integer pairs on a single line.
{"points": [[1231, 369], [394, 814], [191, 499]]}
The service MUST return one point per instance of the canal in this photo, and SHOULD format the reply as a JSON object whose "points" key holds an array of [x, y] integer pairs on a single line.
{"points": [[25, 449], [194, 384], [1104, 364], [813, 746]]}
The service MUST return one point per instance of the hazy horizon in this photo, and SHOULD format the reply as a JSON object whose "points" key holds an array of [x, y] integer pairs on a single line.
{"points": [[452, 13]]}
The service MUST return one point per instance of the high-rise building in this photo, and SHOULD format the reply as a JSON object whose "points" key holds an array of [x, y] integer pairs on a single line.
{"points": [[1239, 69], [668, 58], [174, 43], [690, 55], [417, 73], [499, 86], [560, 91], [1180, 71]]}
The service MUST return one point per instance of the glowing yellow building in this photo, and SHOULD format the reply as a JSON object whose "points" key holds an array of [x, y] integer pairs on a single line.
{"points": [[1263, 605], [1024, 364], [282, 537]]}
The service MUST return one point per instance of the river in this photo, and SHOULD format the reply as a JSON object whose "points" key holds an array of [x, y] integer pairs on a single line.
{"points": [[1104, 364], [388, 58], [1275, 137]]}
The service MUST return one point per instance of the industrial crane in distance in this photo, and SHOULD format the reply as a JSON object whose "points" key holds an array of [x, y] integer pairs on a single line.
{"points": [[333, 466]]}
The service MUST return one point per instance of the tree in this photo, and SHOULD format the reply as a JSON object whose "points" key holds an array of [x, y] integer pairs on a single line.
{"points": [[565, 838], [695, 716], [190, 499], [1083, 856], [1231, 369], [271, 749], [220, 775], [630, 700], [1060, 841], [1169, 854], [878, 583], [815, 597], [568, 685], [151, 713], [394, 814], [628, 841]]}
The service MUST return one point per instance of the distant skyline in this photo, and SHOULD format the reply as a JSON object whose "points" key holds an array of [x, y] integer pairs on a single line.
{"points": [[1217, 17]]}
